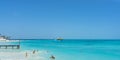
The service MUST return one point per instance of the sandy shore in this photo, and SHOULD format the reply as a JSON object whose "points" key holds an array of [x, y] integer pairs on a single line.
{"points": [[22, 55]]}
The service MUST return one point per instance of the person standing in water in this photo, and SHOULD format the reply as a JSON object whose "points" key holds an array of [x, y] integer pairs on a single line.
{"points": [[52, 57], [33, 51], [26, 54]]}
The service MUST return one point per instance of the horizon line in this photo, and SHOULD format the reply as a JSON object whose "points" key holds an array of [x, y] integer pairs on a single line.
{"points": [[63, 39]]}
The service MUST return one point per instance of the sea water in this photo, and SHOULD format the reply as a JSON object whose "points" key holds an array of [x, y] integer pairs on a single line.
{"points": [[75, 49], [70, 49]]}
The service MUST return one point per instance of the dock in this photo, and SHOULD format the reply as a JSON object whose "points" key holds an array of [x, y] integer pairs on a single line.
{"points": [[9, 46], [14, 44], [6, 43]]}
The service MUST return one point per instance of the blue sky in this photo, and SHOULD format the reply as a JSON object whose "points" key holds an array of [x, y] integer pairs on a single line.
{"points": [[79, 19]]}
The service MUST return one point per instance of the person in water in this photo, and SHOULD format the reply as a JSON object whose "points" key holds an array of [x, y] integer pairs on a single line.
{"points": [[34, 51], [26, 54], [52, 57]]}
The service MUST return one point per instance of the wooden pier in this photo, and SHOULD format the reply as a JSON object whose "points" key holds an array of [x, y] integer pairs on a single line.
{"points": [[9, 46]]}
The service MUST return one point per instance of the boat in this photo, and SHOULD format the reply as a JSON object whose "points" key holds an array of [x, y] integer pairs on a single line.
{"points": [[6, 39], [5, 42], [3, 38], [60, 39]]}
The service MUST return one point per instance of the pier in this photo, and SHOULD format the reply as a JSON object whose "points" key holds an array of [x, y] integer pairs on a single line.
{"points": [[9, 46], [6, 43]]}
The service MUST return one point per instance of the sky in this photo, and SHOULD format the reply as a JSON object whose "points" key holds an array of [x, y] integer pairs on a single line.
{"points": [[69, 19]]}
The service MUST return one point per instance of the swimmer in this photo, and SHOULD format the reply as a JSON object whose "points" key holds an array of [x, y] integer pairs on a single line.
{"points": [[52, 57], [33, 51], [26, 54]]}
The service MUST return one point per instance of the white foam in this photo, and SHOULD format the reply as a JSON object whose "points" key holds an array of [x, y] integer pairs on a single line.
{"points": [[21, 55]]}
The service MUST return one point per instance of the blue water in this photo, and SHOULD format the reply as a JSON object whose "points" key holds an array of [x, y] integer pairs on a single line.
{"points": [[71, 49]]}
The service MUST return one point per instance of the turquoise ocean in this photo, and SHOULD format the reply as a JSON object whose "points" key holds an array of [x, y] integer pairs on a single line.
{"points": [[75, 49]]}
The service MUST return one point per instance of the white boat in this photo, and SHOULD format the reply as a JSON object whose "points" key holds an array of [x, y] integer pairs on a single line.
{"points": [[6, 39], [60, 39]]}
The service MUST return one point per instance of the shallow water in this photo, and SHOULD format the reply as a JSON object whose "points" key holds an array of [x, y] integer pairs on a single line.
{"points": [[70, 49]]}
